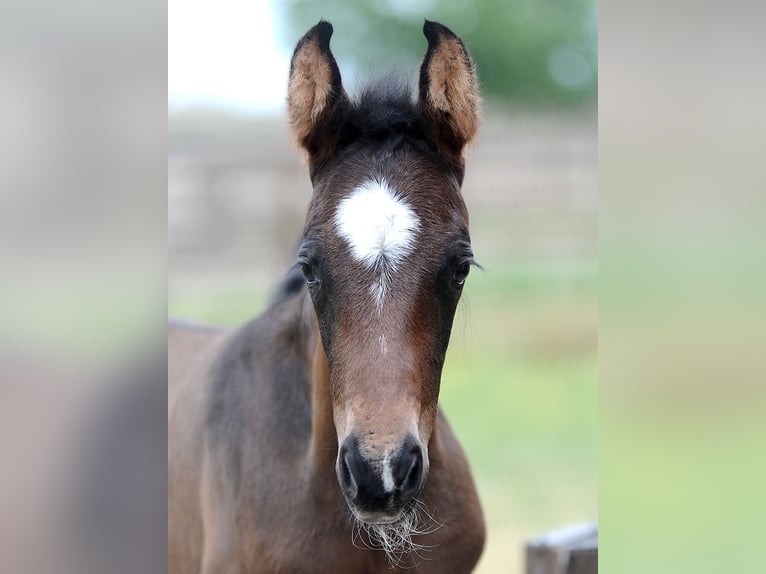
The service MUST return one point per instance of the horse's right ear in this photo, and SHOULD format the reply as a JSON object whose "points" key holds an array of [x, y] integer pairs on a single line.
{"points": [[315, 97]]}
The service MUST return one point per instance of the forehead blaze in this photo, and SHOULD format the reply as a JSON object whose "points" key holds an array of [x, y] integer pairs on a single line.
{"points": [[378, 226], [380, 229]]}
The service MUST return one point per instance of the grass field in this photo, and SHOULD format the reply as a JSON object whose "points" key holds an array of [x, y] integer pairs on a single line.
{"points": [[520, 388]]}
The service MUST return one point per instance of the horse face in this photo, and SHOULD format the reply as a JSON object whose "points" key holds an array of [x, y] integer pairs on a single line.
{"points": [[385, 260], [385, 253]]}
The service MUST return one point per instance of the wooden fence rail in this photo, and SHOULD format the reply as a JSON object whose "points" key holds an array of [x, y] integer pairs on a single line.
{"points": [[569, 550]]}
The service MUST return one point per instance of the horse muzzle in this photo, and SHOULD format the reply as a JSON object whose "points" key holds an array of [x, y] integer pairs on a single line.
{"points": [[377, 490]]}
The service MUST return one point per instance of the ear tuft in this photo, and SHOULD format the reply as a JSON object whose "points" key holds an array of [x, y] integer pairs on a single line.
{"points": [[315, 92], [324, 33], [448, 92]]}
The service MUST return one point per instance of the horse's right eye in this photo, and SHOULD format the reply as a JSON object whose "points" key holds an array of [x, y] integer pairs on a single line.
{"points": [[309, 274]]}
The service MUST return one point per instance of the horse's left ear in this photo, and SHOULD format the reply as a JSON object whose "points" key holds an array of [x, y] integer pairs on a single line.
{"points": [[316, 99], [448, 92]]}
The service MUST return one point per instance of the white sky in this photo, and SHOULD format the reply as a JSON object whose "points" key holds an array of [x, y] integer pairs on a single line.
{"points": [[224, 54]]}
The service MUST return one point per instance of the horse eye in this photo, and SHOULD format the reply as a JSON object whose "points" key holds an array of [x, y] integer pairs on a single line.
{"points": [[309, 274], [461, 273]]}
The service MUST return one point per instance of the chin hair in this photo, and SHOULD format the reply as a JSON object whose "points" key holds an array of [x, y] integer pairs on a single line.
{"points": [[396, 538]]}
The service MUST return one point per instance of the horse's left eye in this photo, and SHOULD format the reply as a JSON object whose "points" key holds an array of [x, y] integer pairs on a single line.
{"points": [[461, 273]]}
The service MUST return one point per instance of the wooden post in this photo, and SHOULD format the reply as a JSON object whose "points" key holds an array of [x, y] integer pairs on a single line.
{"points": [[569, 550]]}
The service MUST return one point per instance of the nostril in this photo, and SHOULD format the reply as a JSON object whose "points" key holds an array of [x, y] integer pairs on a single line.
{"points": [[346, 475], [345, 470], [412, 480], [409, 468]]}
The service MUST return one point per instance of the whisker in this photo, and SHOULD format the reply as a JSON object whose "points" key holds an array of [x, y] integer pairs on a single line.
{"points": [[396, 539]]}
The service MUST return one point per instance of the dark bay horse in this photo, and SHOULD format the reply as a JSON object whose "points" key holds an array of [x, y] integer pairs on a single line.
{"points": [[310, 439]]}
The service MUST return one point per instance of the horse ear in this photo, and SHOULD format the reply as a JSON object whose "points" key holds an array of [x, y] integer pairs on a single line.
{"points": [[315, 97], [448, 93]]}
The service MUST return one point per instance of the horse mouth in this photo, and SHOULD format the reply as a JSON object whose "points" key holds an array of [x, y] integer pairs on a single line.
{"points": [[376, 518]]}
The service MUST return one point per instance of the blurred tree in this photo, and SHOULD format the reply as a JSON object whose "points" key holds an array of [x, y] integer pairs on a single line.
{"points": [[532, 52]]}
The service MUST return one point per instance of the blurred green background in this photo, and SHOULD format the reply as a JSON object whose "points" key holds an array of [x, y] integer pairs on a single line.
{"points": [[535, 52], [520, 382]]}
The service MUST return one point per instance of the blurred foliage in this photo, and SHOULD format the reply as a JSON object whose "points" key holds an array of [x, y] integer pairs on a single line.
{"points": [[530, 52]]}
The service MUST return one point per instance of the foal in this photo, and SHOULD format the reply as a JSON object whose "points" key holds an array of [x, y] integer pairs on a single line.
{"points": [[310, 440]]}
